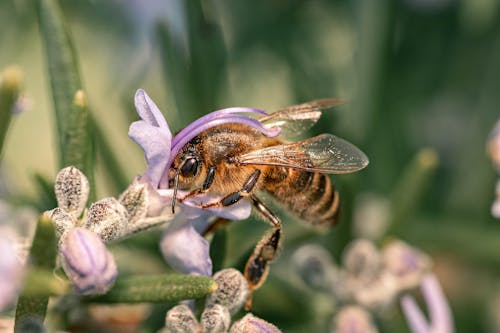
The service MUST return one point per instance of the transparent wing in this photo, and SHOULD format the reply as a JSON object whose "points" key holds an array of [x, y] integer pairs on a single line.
{"points": [[324, 153], [297, 119]]}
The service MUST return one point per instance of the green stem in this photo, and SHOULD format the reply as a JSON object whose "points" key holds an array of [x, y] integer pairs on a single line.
{"points": [[157, 289], [42, 257], [10, 85]]}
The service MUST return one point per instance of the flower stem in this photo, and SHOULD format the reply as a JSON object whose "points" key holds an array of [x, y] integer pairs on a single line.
{"points": [[157, 289], [42, 256]]}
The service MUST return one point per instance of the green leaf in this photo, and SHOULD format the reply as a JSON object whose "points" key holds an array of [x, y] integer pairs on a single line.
{"points": [[218, 248], [42, 256], [157, 289], [10, 85], [70, 104]]}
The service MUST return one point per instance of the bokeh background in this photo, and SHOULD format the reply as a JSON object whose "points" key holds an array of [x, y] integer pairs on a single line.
{"points": [[416, 74]]}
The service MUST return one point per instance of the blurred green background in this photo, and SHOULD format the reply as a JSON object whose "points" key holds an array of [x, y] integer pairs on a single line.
{"points": [[416, 74]]}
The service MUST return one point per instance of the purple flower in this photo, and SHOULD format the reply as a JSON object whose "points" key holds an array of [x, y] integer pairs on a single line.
{"points": [[441, 320], [252, 324], [88, 264], [11, 270], [183, 247]]}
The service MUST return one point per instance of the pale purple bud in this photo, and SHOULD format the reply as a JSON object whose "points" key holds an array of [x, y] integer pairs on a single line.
{"points": [[362, 259], [62, 220], [180, 319], [353, 319], [107, 218], [86, 261], [72, 190], [11, 269], [407, 264], [252, 324], [232, 290], [215, 319], [315, 266]]}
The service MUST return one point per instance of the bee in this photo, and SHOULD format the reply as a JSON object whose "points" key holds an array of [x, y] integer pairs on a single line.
{"points": [[238, 162]]}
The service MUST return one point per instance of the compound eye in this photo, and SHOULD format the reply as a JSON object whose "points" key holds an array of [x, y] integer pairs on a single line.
{"points": [[189, 168]]}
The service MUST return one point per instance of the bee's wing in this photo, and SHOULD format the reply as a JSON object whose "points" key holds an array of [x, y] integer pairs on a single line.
{"points": [[297, 119], [324, 153]]}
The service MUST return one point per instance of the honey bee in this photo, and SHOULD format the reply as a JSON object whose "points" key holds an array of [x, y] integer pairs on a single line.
{"points": [[238, 162]]}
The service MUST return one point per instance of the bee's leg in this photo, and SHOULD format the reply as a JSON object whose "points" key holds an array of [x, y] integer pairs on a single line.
{"points": [[205, 187], [257, 266], [234, 197]]}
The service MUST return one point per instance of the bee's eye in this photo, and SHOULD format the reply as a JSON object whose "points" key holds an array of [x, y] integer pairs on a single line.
{"points": [[190, 167]]}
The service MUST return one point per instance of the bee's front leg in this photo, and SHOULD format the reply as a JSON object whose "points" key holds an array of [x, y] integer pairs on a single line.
{"points": [[257, 266], [234, 197], [207, 183]]}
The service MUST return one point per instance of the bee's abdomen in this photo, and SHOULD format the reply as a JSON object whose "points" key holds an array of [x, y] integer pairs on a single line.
{"points": [[310, 195]]}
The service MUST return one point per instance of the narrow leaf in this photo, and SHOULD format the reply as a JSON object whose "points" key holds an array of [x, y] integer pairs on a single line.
{"points": [[69, 100], [42, 257], [10, 85]]}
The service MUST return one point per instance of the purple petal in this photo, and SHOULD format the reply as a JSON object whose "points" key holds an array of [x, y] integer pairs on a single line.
{"points": [[148, 110], [185, 250], [216, 118], [414, 316], [155, 141], [439, 310]]}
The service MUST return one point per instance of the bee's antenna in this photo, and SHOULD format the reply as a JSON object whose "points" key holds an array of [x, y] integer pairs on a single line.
{"points": [[176, 185]]}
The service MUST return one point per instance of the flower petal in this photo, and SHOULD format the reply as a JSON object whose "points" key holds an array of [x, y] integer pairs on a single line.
{"points": [[185, 249], [155, 141], [148, 110]]}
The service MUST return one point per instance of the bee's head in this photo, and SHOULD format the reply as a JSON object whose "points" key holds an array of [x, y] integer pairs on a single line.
{"points": [[184, 171]]}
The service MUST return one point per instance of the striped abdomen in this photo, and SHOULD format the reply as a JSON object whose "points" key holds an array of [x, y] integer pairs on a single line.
{"points": [[310, 195]]}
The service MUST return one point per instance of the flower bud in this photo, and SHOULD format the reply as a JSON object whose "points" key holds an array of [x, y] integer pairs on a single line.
{"points": [[180, 319], [495, 207], [493, 145], [141, 200], [361, 259], [374, 293], [86, 261], [62, 220], [371, 216], [72, 190], [315, 266], [252, 324], [215, 319], [107, 218], [407, 264], [353, 319], [232, 290]]}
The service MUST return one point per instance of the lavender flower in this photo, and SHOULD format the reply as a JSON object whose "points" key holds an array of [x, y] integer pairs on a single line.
{"points": [[441, 320], [87, 262], [11, 269], [153, 135]]}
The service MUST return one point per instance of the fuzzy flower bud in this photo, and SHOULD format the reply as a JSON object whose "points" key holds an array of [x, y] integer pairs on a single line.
{"points": [[62, 219], [72, 190], [86, 261], [361, 259], [252, 324], [215, 319], [407, 264], [141, 200], [107, 218], [180, 319], [232, 290], [353, 319], [315, 266]]}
